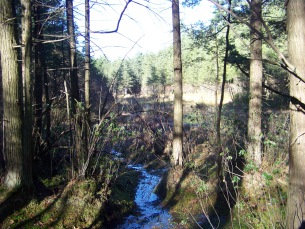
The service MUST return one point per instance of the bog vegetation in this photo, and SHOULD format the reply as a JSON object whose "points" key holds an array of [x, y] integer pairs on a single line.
{"points": [[73, 124]]}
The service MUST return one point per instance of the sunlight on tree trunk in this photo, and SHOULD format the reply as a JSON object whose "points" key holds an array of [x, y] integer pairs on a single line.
{"points": [[87, 58], [27, 93], [255, 96], [217, 71], [86, 120], [12, 100], [178, 106], [296, 49]]}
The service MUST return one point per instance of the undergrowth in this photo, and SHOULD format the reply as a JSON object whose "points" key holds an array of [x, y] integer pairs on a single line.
{"points": [[198, 200], [201, 200]]}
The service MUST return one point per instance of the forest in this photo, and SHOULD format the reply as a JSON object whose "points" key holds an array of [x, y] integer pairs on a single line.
{"points": [[207, 132]]}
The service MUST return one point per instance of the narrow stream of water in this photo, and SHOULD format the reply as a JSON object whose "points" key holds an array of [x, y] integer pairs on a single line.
{"points": [[149, 213]]}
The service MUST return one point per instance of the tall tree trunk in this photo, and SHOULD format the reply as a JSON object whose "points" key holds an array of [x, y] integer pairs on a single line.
{"points": [[12, 99], [224, 79], [38, 77], [256, 76], [217, 71], [177, 158], [87, 58], [72, 56], [27, 92], [47, 118], [86, 122], [77, 144], [296, 50], [2, 165]]}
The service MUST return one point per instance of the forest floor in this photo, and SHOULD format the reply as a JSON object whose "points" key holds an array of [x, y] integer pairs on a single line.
{"points": [[200, 199]]}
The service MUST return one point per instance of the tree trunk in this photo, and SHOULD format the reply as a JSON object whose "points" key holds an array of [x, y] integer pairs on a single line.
{"points": [[177, 158], [224, 79], [217, 71], [255, 97], [72, 56], [86, 122], [27, 92], [47, 118], [12, 99], [2, 165], [87, 59], [296, 50], [78, 141], [38, 78]]}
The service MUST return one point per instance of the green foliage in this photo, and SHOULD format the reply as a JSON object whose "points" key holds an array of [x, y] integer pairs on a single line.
{"points": [[144, 70], [54, 181], [191, 3], [250, 167], [242, 153], [267, 177], [276, 134], [270, 143], [202, 187]]}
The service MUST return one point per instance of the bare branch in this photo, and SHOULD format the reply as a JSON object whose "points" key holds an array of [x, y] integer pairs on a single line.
{"points": [[53, 41], [118, 23]]}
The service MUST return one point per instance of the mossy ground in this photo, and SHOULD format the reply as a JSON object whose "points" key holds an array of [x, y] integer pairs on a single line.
{"points": [[77, 204]]}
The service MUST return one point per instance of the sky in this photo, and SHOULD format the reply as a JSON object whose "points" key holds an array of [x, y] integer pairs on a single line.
{"points": [[145, 26]]}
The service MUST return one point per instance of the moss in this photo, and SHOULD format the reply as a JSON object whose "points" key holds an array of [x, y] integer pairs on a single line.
{"points": [[4, 193], [80, 204], [121, 200], [54, 181], [76, 205]]}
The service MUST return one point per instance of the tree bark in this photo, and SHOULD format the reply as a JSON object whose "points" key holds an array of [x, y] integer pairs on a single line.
{"points": [[12, 99], [87, 59], [38, 71], [217, 71], [27, 93], [254, 147], [47, 118], [78, 142], [296, 50], [72, 56], [86, 122], [177, 158], [2, 165]]}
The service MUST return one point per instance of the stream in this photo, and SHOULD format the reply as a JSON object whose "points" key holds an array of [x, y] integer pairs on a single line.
{"points": [[149, 213]]}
